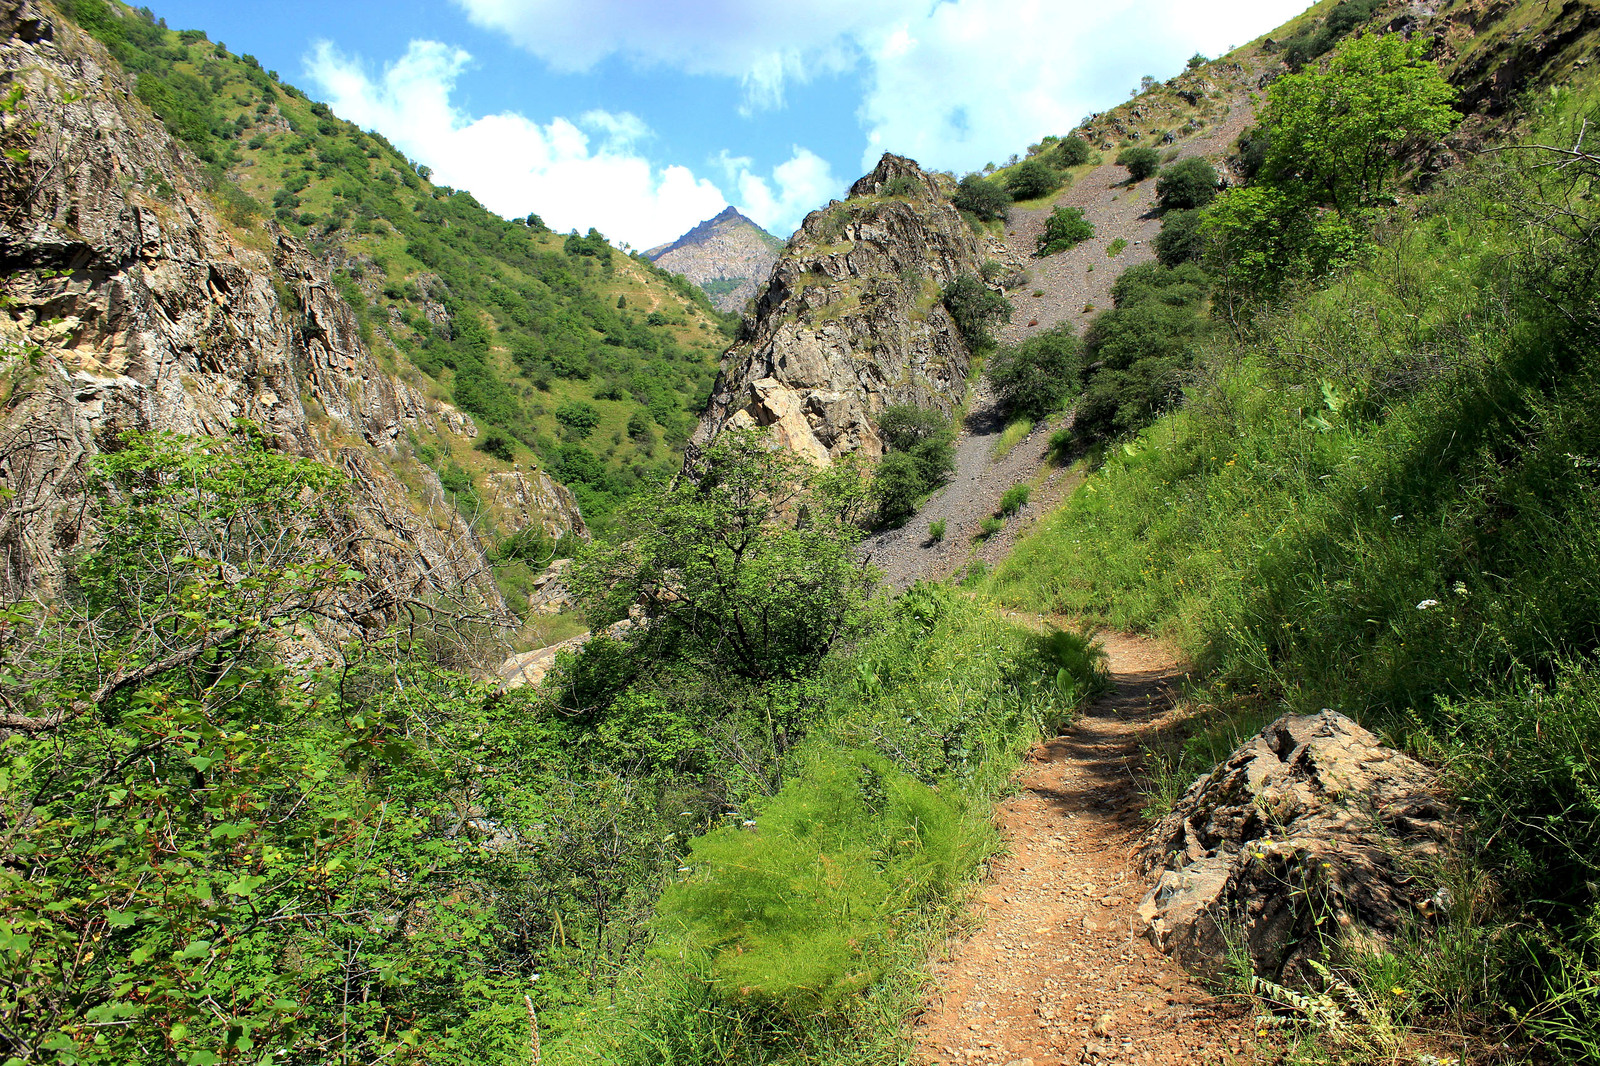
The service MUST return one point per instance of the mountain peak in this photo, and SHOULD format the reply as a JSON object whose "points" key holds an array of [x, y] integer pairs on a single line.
{"points": [[727, 255]]}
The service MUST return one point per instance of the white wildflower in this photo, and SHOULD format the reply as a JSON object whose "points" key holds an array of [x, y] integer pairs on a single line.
{"points": [[1427, 605]]}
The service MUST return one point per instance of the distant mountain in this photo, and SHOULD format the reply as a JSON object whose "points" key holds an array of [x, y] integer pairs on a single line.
{"points": [[728, 256]]}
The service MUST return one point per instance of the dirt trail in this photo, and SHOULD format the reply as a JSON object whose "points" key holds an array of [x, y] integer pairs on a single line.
{"points": [[1057, 971]]}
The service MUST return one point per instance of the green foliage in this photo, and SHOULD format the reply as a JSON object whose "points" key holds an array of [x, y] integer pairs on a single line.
{"points": [[1032, 178], [987, 200], [790, 909], [1038, 377], [1186, 185], [1141, 162], [1072, 151], [498, 445], [1015, 499], [578, 418], [1065, 228], [991, 525], [975, 308], [1262, 238], [936, 530], [1315, 41], [1116, 247], [903, 186], [921, 455], [1180, 240], [1339, 131], [1143, 346]]}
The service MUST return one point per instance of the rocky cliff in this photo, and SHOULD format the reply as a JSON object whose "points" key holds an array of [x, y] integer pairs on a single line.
{"points": [[729, 256], [852, 320], [131, 305]]}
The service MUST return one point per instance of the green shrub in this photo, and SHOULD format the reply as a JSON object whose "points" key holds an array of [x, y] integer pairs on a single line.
{"points": [[926, 438], [1117, 247], [936, 530], [1141, 162], [1180, 240], [1038, 377], [990, 526], [497, 444], [1032, 178], [1185, 185], [1065, 228], [975, 308], [903, 186], [792, 911], [1072, 151], [578, 418], [988, 200], [1015, 499]]}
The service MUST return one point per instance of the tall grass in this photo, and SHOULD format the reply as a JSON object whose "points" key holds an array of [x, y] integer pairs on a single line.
{"points": [[1384, 497]]}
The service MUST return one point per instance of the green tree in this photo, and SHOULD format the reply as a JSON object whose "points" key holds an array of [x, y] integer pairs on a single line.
{"points": [[975, 308], [1340, 130], [1180, 240], [1073, 151], [988, 200], [1259, 238], [1141, 162], [1185, 185], [1065, 228], [1037, 377], [1033, 178]]}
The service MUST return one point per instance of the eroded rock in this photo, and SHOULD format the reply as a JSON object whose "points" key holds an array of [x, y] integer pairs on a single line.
{"points": [[1310, 831]]}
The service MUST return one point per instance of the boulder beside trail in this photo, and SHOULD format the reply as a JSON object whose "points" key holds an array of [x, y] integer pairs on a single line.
{"points": [[1309, 833]]}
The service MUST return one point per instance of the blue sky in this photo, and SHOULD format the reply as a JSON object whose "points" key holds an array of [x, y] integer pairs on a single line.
{"points": [[643, 117]]}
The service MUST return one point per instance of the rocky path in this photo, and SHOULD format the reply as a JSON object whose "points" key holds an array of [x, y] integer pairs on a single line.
{"points": [[1057, 971]]}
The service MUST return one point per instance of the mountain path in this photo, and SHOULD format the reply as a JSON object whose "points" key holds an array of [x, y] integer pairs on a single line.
{"points": [[1057, 970]]}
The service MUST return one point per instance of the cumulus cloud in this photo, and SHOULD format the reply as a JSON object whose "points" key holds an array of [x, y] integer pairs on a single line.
{"points": [[766, 45], [796, 187], [582, 173], [974, 80]]}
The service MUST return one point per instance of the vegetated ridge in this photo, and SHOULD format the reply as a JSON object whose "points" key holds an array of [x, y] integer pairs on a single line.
{"points": [[728, 256]]}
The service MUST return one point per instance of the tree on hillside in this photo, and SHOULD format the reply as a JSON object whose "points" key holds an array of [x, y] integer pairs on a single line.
{"points": [[975, 308], [1141, 162], [1186, 184], [988, 200], [1037, 377], [1340, 130], [1033, 178], [1073, 151]]}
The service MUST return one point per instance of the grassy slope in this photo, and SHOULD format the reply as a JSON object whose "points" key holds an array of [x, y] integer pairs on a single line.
{"points": [[408, 254]]}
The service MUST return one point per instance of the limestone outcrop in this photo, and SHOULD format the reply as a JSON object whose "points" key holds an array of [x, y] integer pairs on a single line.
{"points": [[1310, 831], [132, 303], [729, 256], [851, 319]]}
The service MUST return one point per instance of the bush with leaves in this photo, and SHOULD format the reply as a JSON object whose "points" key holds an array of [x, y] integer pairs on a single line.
{"points": [[975, 308], [1141, 162], [1037, 378], [986, 200], [1065, 228], [1181, 239], [921, 455], [1186, 185], [1033, 178], [1072, 151]]}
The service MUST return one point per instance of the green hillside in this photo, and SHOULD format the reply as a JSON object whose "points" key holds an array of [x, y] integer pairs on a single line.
{"points": [[590, 362]]}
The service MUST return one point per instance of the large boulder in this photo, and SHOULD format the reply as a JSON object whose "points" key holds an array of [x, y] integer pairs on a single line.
{"points": [[1310, 833]]}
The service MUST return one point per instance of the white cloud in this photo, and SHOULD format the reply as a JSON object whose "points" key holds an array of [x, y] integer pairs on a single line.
{"points": [[976, 80], [574, 174], [801, 184]]}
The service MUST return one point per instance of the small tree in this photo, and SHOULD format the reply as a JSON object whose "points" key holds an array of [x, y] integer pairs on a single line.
{"points": [[1065, 228], [1340, 130], [1073, 151], [988, 200], [1187, 184], [1037, 377], [975, 308], [1033, 178], [1180, 239], [1141, 162]]}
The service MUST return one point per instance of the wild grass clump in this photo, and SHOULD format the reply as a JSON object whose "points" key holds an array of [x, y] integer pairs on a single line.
{"points": [[1015, 499], [1016, 432]]}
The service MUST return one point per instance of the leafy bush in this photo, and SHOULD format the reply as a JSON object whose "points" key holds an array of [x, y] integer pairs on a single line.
{"points": [[990, 526], [1032, 178], [1065, 228], [578, 418], [1015, 499], [1038, 377], [903, 186], [1141, 162], [1185, 185], [975, 308], [1073, 151], [936, 530], [1117, 247], [988, 200], [497, 444], [921, 455], [1180, 240]]}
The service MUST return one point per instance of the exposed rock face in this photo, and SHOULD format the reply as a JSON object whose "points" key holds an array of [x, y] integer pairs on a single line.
{"points": [[727, 250], [852, 321], [143, 311], [536, 500], [1312, 821]]}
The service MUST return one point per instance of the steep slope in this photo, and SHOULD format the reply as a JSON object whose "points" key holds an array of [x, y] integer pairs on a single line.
{"points": [[131, 306], [728, 256], [852, 319], [574, 357]]}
